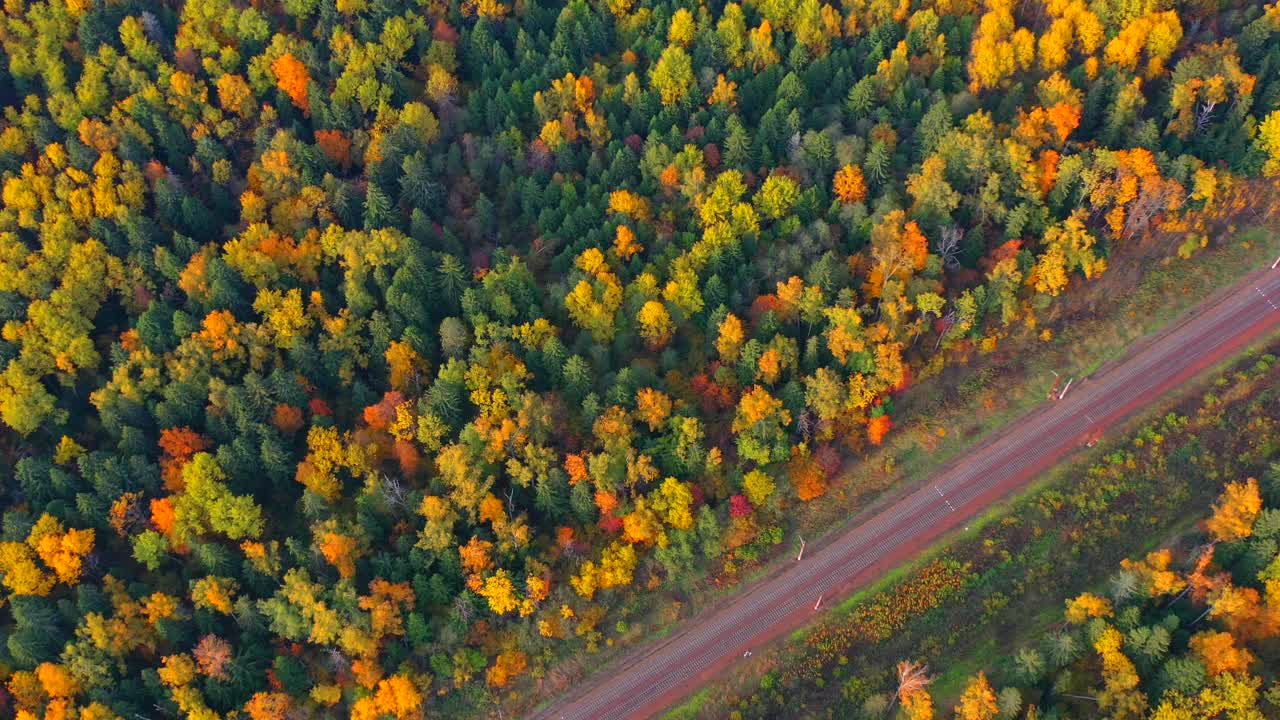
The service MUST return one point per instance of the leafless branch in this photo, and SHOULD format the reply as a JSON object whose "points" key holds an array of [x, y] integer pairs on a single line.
{"points": [[947, 246], [1205, 116], [393, 491]]}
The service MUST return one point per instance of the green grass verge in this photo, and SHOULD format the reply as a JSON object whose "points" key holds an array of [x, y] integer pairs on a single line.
{"points": [[689, 709]]}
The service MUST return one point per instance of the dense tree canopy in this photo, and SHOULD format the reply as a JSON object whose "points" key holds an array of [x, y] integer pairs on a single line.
{"points": [[358, 357]]}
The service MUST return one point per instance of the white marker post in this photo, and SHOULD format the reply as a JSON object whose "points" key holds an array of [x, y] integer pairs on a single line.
{"points": [[815, 605], [1274, 264], [801, 550], [1065, 389]]}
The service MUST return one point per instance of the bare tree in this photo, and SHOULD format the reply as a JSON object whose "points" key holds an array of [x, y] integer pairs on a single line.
{"points": [[92, 564], [153, 29], [912, 677], [1205, 116], [805, 424], [1154, 197], [336, 659], [174, 179], [393, 491], [463, 607], [1124, 585], [947, 246]]}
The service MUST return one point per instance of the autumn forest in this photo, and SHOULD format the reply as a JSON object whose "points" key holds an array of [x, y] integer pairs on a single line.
{"points": [[367, 358]]}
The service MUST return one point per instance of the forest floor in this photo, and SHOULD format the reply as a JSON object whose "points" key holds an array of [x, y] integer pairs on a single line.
{"points": [[946, 415]]}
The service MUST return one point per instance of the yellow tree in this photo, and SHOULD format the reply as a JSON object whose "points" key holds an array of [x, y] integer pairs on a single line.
{"points": [[672, 75], [777, 195], [1156, 34], [729, 338], [816, 25], [1154, 573], [22, 576], [655, 324], [731, 30], [586, 581], [437, 534], [1068, 247], [62, 550], [757, 486], [624, 243], [682, 28], [1230, 695], [760, 50], [1120, 694], [467, 484], [1074, 27], [849, 184], [978, 701], [676, 503], [405, 364], [617, 565], [1268, 140], [653, 407], [933, 195], [999, 47], [509, 664], [1219, 652], [1085, 606], [500, 592], [725, 92], [1235, 512], [593, 302], [625, 202], [899, 249], [292, 77]]}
